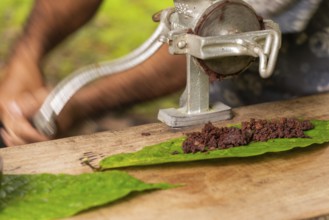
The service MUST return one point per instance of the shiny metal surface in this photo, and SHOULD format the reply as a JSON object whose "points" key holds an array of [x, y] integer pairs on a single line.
{"points": [[221, 20], [263, 44], [45, 118], [221, 39], [218, 37]]}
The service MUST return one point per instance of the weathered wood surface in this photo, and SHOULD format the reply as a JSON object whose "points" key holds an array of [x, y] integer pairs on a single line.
{"points": [[288, 185]]}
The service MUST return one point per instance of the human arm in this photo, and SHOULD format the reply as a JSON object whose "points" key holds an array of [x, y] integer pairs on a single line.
{"points": [[159, 75], [49, 23]]}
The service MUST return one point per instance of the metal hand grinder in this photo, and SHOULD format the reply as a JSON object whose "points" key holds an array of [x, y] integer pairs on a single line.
{"points": [[220, 38]]}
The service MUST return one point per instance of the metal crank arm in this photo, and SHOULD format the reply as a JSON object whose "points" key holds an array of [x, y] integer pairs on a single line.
{"points": [[44, 119]]}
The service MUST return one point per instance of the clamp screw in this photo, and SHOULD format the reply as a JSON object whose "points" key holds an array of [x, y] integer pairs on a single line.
{"points": [[181, 44]]}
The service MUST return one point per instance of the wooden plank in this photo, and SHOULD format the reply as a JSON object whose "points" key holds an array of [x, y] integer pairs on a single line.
{"points": [[289, 185]]}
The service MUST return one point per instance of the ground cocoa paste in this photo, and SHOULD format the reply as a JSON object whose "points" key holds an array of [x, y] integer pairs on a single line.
{"points": [[211, 137]]}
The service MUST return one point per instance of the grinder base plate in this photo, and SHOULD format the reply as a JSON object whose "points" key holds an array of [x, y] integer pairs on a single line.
{"points": [[180, 118]]}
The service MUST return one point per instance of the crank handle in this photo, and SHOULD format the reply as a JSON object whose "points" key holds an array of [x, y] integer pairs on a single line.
{"points": [[44, 119]]}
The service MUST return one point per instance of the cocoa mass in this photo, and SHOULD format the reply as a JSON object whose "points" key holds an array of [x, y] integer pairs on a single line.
{"points": [[212, 137]]}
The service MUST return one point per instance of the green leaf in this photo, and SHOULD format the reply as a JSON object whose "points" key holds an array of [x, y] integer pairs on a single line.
{"points": [[47, 196], [171, 151]]}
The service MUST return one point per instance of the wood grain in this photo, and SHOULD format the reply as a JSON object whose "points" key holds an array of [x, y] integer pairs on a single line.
{"points": [[288, 185]]}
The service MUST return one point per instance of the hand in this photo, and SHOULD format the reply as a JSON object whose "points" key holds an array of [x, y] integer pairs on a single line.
{"points": [[21, 93], [16, 119]]}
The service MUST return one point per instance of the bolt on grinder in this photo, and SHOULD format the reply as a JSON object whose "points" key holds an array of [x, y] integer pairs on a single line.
{"points": [[220, 39]]}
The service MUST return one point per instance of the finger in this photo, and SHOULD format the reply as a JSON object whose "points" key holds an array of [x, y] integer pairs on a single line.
{"points": [[19, 128], [14, 109], [30, 102], [25, 131], [10, 141]]}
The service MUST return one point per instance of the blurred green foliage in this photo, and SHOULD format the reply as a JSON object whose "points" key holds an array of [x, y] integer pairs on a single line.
{"points": [[12, 16], [118, 28]]}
